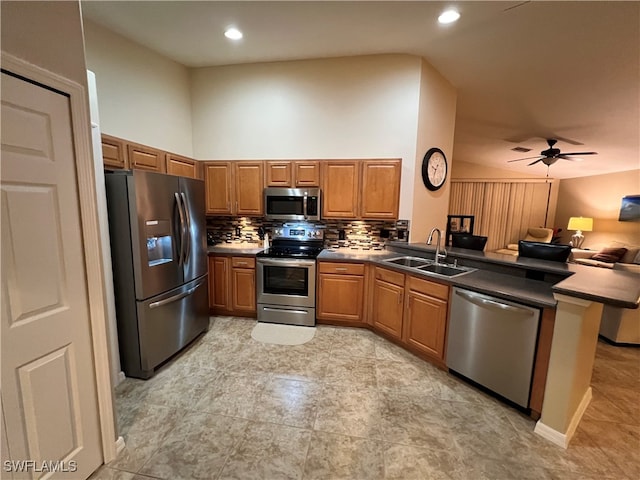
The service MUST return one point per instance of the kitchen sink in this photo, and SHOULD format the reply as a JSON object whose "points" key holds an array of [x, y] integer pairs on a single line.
{"points": [[409, 261], [447, 270]]}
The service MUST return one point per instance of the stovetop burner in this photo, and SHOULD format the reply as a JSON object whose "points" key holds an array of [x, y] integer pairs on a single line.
{"points": [[291, 252], [295, 241]]}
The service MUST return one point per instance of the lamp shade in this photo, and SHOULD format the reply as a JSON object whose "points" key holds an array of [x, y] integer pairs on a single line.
{"points": [[584, 224]]}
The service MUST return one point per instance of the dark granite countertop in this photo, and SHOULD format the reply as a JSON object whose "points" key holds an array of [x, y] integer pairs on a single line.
{"points": [[236, 248], [611, 287], [530, 292]]}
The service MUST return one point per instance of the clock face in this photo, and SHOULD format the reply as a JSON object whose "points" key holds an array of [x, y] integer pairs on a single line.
{"points": [[434, 169]]}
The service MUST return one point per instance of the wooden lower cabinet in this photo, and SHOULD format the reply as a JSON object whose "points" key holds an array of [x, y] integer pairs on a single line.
{"points": [[243, 285], [219, 298], [425, 317], [388, 302], [232, 285], [340, 292]]}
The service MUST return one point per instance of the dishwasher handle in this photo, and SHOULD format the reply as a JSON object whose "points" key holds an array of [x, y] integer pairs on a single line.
{"points": [[483, 301]]}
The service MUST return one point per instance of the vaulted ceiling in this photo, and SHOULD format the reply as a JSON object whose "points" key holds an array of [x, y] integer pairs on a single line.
{"points": [[525, 71]]}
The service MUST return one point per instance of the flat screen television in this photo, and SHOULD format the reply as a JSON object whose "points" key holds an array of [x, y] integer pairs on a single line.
{"points": [[630, 209]]}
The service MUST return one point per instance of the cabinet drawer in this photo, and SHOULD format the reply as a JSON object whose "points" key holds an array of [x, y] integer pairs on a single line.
{"points": [[243, 262], [426, 287], [341, 268], [396, 278]]}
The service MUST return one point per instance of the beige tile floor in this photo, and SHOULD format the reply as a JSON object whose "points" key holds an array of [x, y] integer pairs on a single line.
{"points": [[350, 405]]}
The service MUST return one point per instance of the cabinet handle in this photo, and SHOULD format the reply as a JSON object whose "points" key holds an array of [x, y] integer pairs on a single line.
{"points": [[399, 298], [242, 263], [341, 269], [236, 206]]}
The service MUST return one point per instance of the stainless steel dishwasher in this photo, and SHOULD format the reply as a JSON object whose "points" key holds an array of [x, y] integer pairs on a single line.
{"points": [[492, 342]]}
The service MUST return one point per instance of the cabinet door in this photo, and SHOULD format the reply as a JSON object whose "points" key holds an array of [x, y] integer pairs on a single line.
{"points": [[145, 158], [244, 290], [217, 177], [249, 182], [388, 303], [279, 174], [380, 189], [182, 166], [219, 295], [340, 186], [340, 297], [114, 153], [425, 324], [306, 173]]}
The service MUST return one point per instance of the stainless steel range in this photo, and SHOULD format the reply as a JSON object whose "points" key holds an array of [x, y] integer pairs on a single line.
{"points": [[286, 275]]}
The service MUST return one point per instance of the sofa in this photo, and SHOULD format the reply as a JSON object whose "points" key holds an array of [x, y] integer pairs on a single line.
{"points": [[607, 256], [534, 234]]}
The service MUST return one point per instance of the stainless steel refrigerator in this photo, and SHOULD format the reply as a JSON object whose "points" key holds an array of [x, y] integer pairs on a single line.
{"points": [[158, 246]]}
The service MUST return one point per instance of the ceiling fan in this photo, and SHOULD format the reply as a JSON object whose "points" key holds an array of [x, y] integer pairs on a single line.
{"points": [[552, 155]]}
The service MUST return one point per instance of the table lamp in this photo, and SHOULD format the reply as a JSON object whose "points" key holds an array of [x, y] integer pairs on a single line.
{"points": [[579, 224]]}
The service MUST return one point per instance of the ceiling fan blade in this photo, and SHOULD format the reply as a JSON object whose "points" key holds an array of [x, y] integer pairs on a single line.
{"points": [[539, 160], [580, 153], [564, 157], [526, 158]]}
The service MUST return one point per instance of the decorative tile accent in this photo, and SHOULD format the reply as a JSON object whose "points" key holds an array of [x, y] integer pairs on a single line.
{"points": [[354, 234]]}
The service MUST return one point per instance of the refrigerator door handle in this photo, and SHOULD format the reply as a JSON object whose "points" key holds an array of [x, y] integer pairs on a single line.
{"points": [[181, 213], [175, 298], [187, 215]]}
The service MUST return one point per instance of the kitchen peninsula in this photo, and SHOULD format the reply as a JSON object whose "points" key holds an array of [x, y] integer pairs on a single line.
{"points": [[574, 293]]}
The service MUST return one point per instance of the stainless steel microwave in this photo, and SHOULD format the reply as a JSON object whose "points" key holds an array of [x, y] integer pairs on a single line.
{"points": [[292, 203]]}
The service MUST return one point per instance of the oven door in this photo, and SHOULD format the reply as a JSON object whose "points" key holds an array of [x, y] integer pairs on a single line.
{"points": [[286, 281]]}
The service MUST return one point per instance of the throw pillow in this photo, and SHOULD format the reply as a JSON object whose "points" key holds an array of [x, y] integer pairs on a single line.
{"points": [[610, 255]]}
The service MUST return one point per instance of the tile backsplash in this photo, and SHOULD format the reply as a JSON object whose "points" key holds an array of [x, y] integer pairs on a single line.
{"points": [[353, 234]]}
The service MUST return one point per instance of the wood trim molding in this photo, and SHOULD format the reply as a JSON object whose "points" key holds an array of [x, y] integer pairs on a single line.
{"points": [[81, 123]]}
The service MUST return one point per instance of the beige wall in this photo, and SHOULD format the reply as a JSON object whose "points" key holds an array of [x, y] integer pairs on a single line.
{"points": [[47, 34], [142, 96], [599, 197], [467, 170], [436, 124], [356, 107]]}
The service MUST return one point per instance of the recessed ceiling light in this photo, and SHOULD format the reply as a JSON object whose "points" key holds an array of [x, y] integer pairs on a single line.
{"points": [[233, 33], [448, 16]]}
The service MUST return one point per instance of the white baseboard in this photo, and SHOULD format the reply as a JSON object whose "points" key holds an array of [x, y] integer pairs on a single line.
{"points": [[119, 445], [563, 439]]}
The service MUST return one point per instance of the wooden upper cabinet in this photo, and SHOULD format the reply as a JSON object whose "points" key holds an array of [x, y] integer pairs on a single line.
{"points": [[218, 177], [279, 174], [380, 189], [249, 181], [182, 166], [145, 158], [114, 152], [306, 173], [340, 186]]}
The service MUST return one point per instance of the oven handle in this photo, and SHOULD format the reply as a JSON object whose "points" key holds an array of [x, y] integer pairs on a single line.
{"points": [[286, 262]]}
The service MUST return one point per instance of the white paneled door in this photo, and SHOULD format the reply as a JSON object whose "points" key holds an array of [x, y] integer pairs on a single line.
{"points": [[49, 395]]}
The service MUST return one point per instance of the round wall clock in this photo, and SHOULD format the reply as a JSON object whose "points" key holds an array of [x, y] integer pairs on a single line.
{"points": [[434, 169]]}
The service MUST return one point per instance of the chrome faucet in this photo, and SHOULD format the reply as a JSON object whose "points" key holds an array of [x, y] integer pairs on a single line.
{"points": [[430, 239]]}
